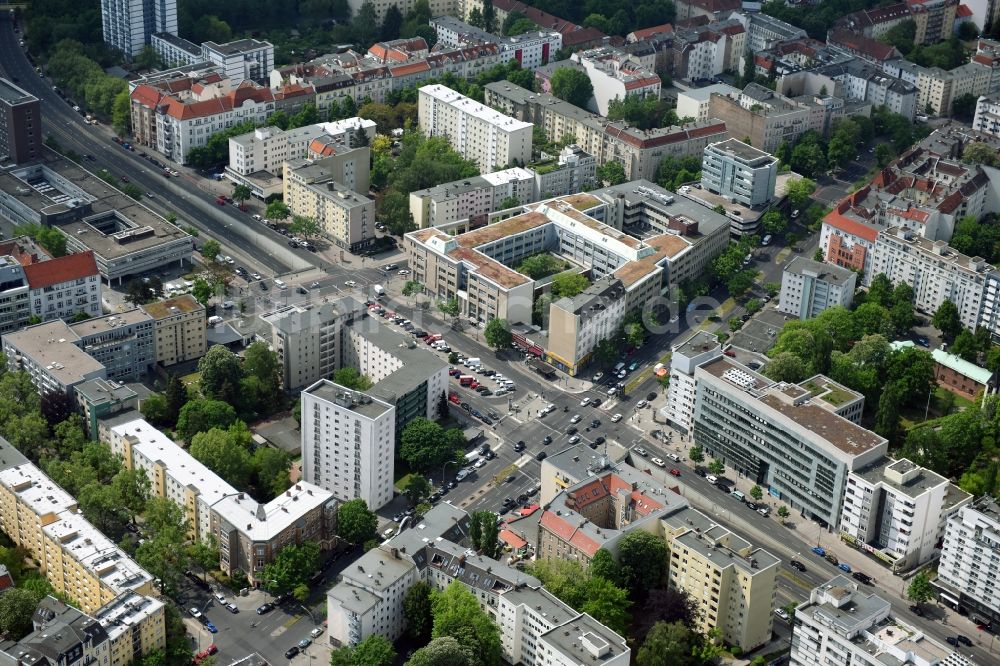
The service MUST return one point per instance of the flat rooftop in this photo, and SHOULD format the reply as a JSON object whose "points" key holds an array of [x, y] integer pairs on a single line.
{"points": [[826, 272], [52, 346], [237, 46], [183, 304], [418, 363], [913, 487], [356, 401], [699, 343], [448, 96], [14, 95], [105, 323], [585, 641], [107, 221], [741, 150]]}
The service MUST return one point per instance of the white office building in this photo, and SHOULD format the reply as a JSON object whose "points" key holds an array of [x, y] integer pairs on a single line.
{"points": [[472, 198], [348, 439], [688, 355], [487, 137], [128, 24], [808, 287], [897, 511], [739, 172], [841, 625], [970, 561]]}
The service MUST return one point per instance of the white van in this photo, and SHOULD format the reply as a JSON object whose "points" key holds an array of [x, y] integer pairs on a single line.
{"points": [[619, 367], [280, 284], [739, 495], [471, 362], [711, 478], [213, 321]]}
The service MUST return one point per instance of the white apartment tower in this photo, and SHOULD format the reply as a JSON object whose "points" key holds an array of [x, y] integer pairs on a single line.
{"points": [[699, 348], [128, 24], [740, 172], [970, 561], [897, 511], [808, 287], [348, 439], [487, 137]]}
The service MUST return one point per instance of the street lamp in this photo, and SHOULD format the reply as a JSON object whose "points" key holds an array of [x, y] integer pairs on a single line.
{"points": [[445, 466]]}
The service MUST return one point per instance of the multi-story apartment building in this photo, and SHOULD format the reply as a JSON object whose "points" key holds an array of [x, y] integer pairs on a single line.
{"points": [[20, 124], [175, 51], [118, 634], [256, 159], [639, 151], [808, 287], [935, 271], [63, 287], [575, 37], [987, 118], [839, 624], [179, 329], [13, 294], [100, 399], [472, 199], [695, 103], [740, 172], [769, 118], [897, 511], [796, 440], [531, 49], [535, 628], [242, 59], [855, 81], [315, 189], [572, 170], [128, 24], [764, 31], [176, 113], [685, 357], [248, 533], [705, 51], [124, 343], [48, 353], [969, 566], [934, 20], [348, 439], [732, 583], [74, 556], [126, 237], [487, 137], [411, 379], [307, 340], [615, 75]]}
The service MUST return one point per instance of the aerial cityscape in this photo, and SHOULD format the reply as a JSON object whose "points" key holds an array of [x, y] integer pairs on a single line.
{"points": [[497, 333]]}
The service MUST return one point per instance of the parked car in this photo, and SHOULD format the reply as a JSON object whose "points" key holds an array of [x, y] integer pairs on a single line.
{"points": [[292, 652], [616, 418], [675, 472], [195, 613], [783, 614], [819, 551], [263, 609], [641, 451], [576, 418], [658, 462], [212, 629], [861, 577], [798, 566]]}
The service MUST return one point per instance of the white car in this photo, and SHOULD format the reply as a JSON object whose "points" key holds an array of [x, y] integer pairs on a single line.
{"points": [[480, 463], [674, 457], [256, 217], [255, 276], [616, 418], [221, 598], [403, 272], [641, 451], [576, 418], [612, 390], [585, 402], [317, 632], [685, 189], [598, 377], [195, 613], [350, 283], [574, 439], [658, 462], [640, 404], [783, 614]]}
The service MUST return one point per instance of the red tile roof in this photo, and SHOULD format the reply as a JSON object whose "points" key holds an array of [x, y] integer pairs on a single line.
{"points": [[963, 11], [642, 83], [412, 68], [61, 269], [646, 33], [512, 539], [246, 91], [836, 219], [863, 45]]}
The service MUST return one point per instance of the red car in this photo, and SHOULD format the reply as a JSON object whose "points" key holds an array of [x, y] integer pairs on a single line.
{"points": [[205, 654], [221, 201], [454, 398], [675, 472]]}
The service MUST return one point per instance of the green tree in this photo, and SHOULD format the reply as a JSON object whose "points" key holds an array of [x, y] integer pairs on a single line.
{"points": [[292, 566], [783, 512], [211, 249], [980, 153], [355, 522], [154, 409], [412, 288], [497, 334], [241, 194], [121, 113], [808, 158], [696, 454], [884, 154], [416, 489], [444, 651], [221, 372], [774, 222], [450, 307], [572, 85], [670, 644], [920, 589], [202, 415], [947, 320], [271, 468], [225, 452], [17, 606], [391, 24], [799, 190], [606, 353], [352, 379], [306, 227], [162, 553], [786, 367], [131, 487], [568, 285], [716, 466], [756, 492], [612, 173], [203, 554], [603, 565], [425, 445], [278, 210], [376, 650], [585, 592], [176, 396], [417, 612], [741, 283], [457, 614], [484, 533], [642, 560]]}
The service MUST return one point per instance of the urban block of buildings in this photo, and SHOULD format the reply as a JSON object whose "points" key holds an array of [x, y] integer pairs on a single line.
{"points": [[476, 267], [531, 49], [179, 329], [934, 20], [897, 511], [126, 238], [256, 159], [249, 534], [968, 567], [841, 624], [242, 59], [594, 504], [534, 626], [808, 287], [473, 199], [318, 189], [613, 73], [639, 151], [487, 137], [799, 441], [739, 172], [181, 110], [20, 124], [574, 36], [128, 25]]}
